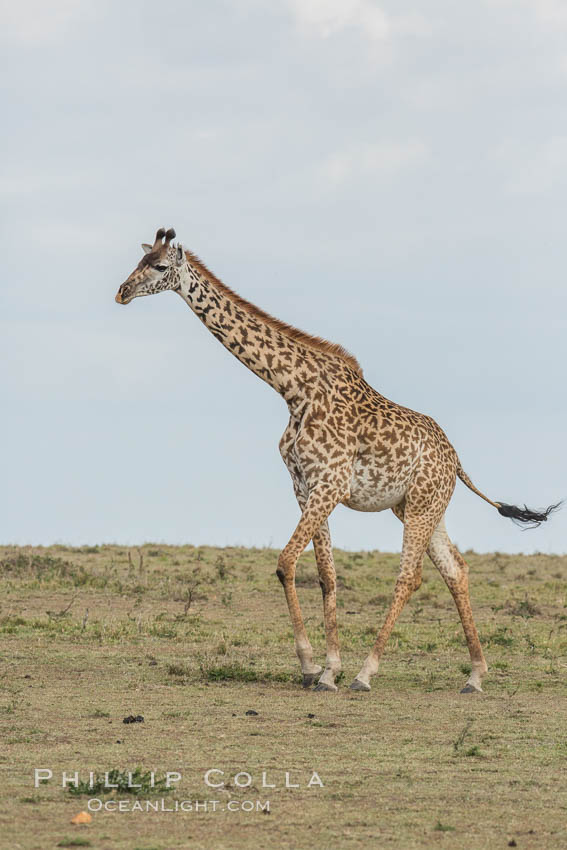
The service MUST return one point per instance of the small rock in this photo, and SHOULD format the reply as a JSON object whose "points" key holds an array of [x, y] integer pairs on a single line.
{"points": [[251, 712]]}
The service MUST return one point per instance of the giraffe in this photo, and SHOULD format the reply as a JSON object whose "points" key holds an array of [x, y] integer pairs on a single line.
{"points": [[344, 444]]}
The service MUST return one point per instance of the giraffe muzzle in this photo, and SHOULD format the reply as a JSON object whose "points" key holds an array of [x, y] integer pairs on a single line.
{"points": [[124, 294]]}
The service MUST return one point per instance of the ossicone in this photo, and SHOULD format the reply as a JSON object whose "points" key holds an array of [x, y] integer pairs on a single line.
{"points": [[159, 236]]}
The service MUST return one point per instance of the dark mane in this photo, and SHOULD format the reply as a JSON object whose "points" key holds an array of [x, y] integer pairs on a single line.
{"points": [[315, 342]]}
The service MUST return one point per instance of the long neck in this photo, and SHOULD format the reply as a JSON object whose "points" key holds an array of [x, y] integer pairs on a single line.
{"points": [[263, 344]]}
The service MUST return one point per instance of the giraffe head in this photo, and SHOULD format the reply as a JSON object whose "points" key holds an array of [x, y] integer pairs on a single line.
{"points": [[158, 270]]}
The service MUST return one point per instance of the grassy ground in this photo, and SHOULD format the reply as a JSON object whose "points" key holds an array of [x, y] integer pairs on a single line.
{"points": [[192, 639]]}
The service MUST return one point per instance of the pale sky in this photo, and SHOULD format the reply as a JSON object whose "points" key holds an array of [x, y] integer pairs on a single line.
{"points": [[389, 175]]}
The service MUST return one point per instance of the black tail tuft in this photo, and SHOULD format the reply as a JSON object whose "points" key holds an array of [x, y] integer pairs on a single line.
{"points": [[525, 515]]}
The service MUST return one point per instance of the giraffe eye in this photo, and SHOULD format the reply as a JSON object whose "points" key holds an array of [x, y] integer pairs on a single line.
{"points": [[160, 268]]}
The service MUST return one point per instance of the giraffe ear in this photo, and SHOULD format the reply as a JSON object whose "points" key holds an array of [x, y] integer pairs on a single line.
{"points": [[179, 254], [146, 248]]}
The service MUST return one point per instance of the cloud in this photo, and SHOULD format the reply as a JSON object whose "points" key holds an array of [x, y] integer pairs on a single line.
{"points": [[535, 170], [35, 22], [552, 12], [548, 13], [324, 18], [90, 362], [16, 184], [378, 161]]}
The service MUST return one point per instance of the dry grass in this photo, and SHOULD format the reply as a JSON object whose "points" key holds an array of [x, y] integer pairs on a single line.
{"points": [[193, 638]]}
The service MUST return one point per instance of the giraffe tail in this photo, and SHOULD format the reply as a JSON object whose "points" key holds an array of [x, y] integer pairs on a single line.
{"points": [[518, 515]]}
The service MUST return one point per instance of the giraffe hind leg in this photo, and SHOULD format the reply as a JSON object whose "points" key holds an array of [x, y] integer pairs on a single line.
{"points": [[454, 570]]}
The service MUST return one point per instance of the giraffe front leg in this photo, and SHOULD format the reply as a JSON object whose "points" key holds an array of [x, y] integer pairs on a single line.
{"points": [[320, 503], [328, 583], [303, 648]]}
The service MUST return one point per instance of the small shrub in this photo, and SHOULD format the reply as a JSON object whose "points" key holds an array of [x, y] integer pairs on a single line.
{"points": [[124, 781], [460, 739], [179, 670], [230, 672], [525, 608], [443, 827], [221, 568], [237, 673], [501, 637]]}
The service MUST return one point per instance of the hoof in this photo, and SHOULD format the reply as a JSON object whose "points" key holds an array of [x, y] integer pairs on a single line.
{"points": [[310, 678], [470, 689], [322, 686], [357, 685]]}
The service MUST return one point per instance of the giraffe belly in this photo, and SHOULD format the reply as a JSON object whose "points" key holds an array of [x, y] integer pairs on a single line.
{"points": [[372, 489], [366, 500]]}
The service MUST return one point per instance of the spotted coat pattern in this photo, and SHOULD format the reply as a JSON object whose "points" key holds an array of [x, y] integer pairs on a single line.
{"points": [[344, 443]]}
